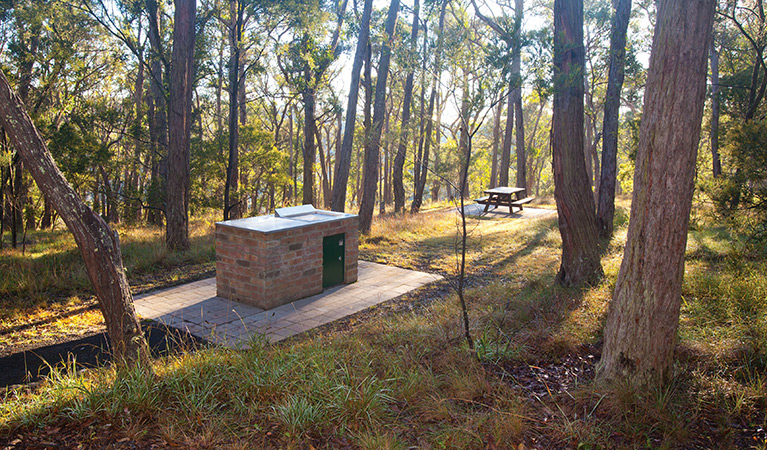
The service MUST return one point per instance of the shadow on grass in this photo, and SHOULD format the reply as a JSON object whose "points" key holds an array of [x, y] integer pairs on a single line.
{"points": [[89, 352]]}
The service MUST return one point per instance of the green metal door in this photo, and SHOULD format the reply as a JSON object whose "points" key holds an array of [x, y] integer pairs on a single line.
{"points": [[332, 260]]}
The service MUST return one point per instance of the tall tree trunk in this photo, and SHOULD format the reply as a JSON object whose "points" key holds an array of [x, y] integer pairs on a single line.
{"points": [[233, 207], [309, 149], [219, 90], [516, 71], [370, 172], [463, 139], [158, 125], [641, 327], [419, 188], [436, 182], [367, 117], [399, 159], [98, 244], [421, 117], [608, 173], [138, 101], [341, 180], [503, 169], [180, 118], [572, 188], [714, 136], [324, 164], [17, 197], [291, 152], [496, 139]]}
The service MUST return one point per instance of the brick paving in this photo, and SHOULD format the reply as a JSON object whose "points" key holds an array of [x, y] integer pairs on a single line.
{"points": [[194, 307]]}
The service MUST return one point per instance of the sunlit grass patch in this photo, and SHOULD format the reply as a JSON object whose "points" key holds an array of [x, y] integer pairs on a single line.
{"points": [[50, 275]]}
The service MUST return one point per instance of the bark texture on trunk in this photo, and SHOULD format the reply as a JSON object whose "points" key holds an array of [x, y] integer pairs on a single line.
{"points": [[370, 174], [572, 188], [608, 174], [641, 326], [180, 125], [338, 202], [98, 244]]}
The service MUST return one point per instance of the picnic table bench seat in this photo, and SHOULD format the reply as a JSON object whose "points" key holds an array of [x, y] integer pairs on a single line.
{"points": [[482, 200], [522, 201]]}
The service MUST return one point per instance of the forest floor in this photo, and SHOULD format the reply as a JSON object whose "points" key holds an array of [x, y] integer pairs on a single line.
{"points": [[400, 375]]}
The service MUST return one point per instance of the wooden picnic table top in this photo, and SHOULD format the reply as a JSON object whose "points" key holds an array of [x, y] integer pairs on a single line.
{"points": [[504, 190]]}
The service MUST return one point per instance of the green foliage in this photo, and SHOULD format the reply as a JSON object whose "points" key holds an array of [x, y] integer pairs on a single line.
{"points": [[740, 194]]}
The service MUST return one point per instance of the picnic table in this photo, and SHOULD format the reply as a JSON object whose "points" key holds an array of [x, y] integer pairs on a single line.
{"points": [[505, 196]]}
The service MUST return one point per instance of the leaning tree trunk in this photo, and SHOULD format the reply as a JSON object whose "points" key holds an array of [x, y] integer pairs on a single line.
{"points": [[607, 177], [370, 174], [98, 244], [399, 159], [180, 125], [642, 322], [572, 187], [341, 180]]}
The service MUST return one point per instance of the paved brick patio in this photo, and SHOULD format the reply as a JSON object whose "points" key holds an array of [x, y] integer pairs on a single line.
{"points": [[196, 308]]}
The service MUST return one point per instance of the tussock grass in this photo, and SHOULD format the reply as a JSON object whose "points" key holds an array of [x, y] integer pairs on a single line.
{"points": [[407, 380]]}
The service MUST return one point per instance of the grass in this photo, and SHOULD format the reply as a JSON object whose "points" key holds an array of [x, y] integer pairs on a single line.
{"points": [[45, 292], [406, 379]]}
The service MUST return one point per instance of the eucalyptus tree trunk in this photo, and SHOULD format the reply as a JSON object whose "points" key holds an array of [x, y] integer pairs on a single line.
{"points": [[399, 159], [503, 169], [419, 188], [308, 96], [98, 244], [341, 180], [516, 65], [158, 119], [641, 327], [463, 139], [233, 207], [496, 139], [135, 186], [421, 117], [180, 124], [608, 174], [572, 188], [714, 136], [370, 173]]}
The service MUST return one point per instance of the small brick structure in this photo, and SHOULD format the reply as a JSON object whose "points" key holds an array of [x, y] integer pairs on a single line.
{"points": [[268, 261]]}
